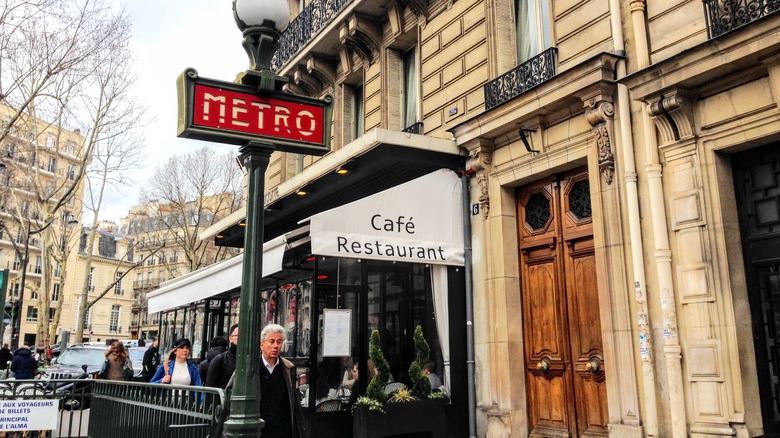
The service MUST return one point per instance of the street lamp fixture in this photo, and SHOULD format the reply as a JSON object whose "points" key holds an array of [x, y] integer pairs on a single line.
{"points": [[261, 22]]}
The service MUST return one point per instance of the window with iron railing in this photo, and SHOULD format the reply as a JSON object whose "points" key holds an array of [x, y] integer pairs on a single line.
{"points": [[520, 79], [534, 53], [724, 16], [313, 19]]}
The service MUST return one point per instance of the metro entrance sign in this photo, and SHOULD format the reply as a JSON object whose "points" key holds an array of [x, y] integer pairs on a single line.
{"points": [[227, 112]]}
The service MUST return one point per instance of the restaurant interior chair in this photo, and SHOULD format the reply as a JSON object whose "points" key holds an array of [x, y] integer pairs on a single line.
{"points": [[330, 406]]}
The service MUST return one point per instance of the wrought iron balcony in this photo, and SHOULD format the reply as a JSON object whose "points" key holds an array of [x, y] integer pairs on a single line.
{"points": [[520, 79], [414, 128], [305, 27], [723, 16]]}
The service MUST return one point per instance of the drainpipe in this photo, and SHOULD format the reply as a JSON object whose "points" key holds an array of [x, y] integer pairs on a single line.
{"points": [[634, 226], [662, 253], [472, 399]]}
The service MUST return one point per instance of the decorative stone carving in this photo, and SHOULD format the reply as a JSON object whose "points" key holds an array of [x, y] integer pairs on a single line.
{"points": [[307, 82], [599, 114], [484, 198], [362, 36], [480, 158], [419, 8], [672, 115], [322, 69]]}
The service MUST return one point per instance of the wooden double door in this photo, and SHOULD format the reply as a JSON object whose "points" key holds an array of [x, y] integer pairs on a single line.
{"points": [[564, 362]]}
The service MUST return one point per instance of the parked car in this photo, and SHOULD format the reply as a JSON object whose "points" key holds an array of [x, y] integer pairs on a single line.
{"points": [[75, 362], [137, 356]]}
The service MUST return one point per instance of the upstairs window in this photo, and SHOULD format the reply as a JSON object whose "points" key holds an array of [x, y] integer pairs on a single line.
{"points": [[118, 286], [410, 91], [358, 111], [532, 31]]}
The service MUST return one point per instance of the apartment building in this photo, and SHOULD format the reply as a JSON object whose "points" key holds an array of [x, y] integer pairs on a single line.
{"points": [[109, 281], [622, 209], [40, 162], [166, 244]]}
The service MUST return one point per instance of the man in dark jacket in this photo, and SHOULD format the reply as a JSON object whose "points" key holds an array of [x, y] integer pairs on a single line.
{"points": [[223, 365], [151, 360], [24, 364], [5, 357], [218, 345]]}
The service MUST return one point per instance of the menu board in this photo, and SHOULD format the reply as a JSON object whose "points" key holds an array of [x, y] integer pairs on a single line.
{"points": [[336, 329]]}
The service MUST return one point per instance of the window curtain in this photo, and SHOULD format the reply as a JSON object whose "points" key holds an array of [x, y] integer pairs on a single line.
{"points": [[410, 87], [440, 307], [526, 30]]}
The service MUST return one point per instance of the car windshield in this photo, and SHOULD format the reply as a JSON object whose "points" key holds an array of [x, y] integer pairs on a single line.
{"points": [[82, 356]]}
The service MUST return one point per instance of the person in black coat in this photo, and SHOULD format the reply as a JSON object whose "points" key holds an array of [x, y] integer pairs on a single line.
{"points": [[222, 366], [151, 360], [5, 357], [218, 345], [24, 364]]}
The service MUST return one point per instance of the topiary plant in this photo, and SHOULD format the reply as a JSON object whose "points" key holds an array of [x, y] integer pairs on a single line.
{"points": [[421, 386], [375, 390]]}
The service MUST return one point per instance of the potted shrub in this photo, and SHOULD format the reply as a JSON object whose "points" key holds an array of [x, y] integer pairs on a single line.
{"points": [[412, 410]]}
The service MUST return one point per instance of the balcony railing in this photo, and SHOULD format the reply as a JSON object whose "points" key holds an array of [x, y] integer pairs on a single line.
{"points": [[147, 283], [724, 16], [520, 79], [305, 27], [414, 128]]}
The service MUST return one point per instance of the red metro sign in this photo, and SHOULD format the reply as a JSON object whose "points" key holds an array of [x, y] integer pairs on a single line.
{"points": [[227, 112]]}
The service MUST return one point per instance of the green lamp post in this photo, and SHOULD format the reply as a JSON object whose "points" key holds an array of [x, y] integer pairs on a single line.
{"points": [[261, 22]]}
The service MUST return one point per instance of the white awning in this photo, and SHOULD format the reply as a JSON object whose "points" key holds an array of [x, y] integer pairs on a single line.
{"points": [[214, 279], [420, 221]]}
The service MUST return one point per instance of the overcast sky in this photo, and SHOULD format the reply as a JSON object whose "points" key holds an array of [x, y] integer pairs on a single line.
{"points": [[169, 36]]}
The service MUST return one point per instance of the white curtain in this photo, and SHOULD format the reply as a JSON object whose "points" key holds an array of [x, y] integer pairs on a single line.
{"points": [[526, 31], [411, 82], [441, 311]]}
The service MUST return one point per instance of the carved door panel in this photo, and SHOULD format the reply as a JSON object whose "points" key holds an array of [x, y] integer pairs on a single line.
{"points": [[563, 350], [757, 184]]}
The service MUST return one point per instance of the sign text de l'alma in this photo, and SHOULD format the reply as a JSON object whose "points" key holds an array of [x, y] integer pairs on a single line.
{"points": [[227, 112]]}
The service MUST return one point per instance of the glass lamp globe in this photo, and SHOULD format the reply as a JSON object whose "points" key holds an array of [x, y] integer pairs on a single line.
{"points": [[254, 13]]}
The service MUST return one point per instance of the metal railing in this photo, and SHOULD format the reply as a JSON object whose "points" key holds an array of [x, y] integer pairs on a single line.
{"points": [[314, 17], [723, 16], [70, 422], [520, 79], [102, 408], [414, 128], [142, 409]]}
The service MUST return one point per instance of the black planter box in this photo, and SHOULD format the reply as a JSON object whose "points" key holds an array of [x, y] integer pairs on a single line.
{"points": [[419, 417]]}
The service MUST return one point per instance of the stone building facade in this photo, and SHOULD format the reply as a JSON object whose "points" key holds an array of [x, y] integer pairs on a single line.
{"points": [[623, 195]]}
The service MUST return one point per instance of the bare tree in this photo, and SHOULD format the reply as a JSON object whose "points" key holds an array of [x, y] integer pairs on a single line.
{"points": [[192, 192], [61, 68]]}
